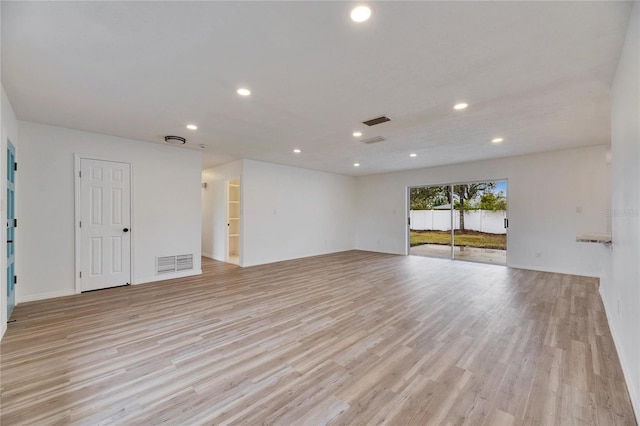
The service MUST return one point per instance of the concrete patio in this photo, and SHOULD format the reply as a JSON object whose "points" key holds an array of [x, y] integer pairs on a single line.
{"points": [[498, 257]]}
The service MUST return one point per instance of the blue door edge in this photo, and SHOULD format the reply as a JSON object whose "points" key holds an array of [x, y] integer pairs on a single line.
{"points": [[10, 230]]}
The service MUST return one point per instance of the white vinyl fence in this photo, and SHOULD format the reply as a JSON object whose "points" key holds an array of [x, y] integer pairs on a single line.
{"points": [[491, 222]]}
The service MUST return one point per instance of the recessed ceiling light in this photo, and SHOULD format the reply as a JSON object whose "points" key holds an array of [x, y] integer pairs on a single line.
{"points": [[360, 13], [460, 106], [243, 92], [357, 134], [356, 164], [413, 155], [297, 151], [497, 140], [192, 127]]}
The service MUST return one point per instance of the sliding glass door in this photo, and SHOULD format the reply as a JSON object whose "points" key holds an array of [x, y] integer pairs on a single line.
{"points": [[430, 221], [466, 221]]}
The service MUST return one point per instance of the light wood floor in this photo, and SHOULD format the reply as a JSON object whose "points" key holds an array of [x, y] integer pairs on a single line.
{"points": [[349, 338]]}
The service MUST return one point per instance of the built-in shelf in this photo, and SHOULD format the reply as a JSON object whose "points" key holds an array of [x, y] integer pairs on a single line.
{"points": [[594, 237], [233, 220]]}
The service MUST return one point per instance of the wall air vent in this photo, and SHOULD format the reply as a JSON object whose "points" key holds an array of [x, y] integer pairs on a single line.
{"points": [[374, 139], [169, 264], [375, 121], [165, 264], [184, 262]]}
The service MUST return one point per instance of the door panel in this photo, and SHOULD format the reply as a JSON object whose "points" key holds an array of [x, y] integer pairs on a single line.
{"points": [[480, 209], [11, 241], [430, 221], [105, 201]]}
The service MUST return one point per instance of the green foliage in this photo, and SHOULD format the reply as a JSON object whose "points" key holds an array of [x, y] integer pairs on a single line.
{"points": [[491, 201], [468, 193], [468, 205], [474, 196], [428, 197], [471, 192]]}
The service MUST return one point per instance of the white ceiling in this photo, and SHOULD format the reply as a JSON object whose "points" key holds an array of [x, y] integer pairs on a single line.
{"points": [[537, 74]]}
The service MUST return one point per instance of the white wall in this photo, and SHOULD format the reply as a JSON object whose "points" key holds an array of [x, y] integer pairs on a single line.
{"points": [[620, 284], [214, 215], [206, 241], [558, 182], [291, 212], [8, 130], [166, 205]]}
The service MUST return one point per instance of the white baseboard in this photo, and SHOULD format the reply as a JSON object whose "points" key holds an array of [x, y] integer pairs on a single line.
{"points": [[553, 270], [304, 256], [370, 250], [62, 293], [633, 394], [209, 255], [42, 296], [164, 277]]}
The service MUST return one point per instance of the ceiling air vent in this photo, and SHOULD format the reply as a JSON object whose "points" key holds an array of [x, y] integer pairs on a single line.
{"points": [[374, 139], [375, 121]]}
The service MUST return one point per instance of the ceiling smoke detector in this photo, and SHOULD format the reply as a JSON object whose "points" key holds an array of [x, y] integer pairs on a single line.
{"points": [[175, 140]]}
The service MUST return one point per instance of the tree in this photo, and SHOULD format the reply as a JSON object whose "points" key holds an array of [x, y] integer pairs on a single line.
{"points": [[470, 196], [428, 197], [491, 201], [468, 192]]}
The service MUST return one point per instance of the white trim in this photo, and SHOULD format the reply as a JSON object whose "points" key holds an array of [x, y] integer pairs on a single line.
{"points": [[226, 219], [77, 209], [552, 270], [240, 221], [209, 255], [626, 372], [63, 293], [49, 295], [165, 277], [76, 217], [311, 255], [407, 221]]}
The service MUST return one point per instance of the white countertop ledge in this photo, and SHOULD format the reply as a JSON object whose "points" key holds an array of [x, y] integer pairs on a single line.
{"points": [[594, 237]]}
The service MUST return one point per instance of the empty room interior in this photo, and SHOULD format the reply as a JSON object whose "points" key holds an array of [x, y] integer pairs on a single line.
{"points": [[311, 212]]}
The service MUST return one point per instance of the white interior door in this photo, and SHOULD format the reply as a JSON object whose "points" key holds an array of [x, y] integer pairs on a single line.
{"points": [[105, 219]]}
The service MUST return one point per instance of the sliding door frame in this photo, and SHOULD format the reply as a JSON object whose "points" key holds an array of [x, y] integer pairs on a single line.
{"points": [[451, 185]]}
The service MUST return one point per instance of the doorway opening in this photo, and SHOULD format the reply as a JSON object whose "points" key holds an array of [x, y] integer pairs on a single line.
{"points": [[233, 221], [466, 221]]}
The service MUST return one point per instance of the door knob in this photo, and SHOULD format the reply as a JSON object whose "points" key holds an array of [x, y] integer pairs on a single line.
{"points": [[126, 229]]}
